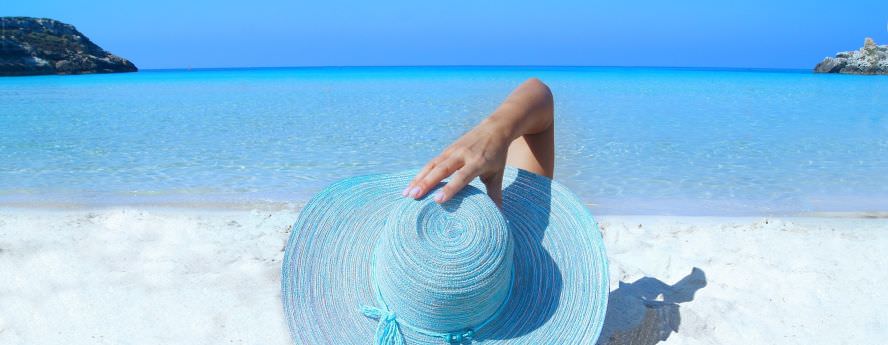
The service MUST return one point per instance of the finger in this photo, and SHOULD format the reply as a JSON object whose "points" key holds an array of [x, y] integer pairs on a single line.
{"points": [[494, 184], [440, 172], [458, 181], [422, 173]]}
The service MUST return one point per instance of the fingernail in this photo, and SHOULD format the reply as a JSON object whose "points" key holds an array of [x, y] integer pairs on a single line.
{"points": [[414, 192], [406, 190], [439, 196]]}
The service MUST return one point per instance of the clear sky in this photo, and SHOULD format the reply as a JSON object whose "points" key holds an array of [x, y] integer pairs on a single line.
{"points": [[751, 33]]}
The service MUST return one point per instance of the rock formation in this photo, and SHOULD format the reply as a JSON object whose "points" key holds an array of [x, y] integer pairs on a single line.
{"points": [[30, 46], [871, 59]]}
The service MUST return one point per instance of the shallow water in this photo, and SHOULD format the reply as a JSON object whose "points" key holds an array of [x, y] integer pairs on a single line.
{"points": [[629, 140]]}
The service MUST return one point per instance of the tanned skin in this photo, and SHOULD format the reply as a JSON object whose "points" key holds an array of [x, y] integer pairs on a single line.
{"points": [[520, 133]]}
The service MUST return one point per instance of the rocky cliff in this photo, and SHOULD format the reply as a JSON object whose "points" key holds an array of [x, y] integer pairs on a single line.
{"points": [[31, 46], [871, 59]]}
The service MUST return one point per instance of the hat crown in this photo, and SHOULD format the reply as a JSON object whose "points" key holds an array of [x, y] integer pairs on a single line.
{"points": [[445, 268]]}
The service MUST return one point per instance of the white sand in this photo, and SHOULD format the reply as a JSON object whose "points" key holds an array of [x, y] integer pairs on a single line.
{"points": [[188, 276]]}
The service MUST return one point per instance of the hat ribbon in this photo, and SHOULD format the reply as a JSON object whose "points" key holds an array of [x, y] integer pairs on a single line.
{"points": [[388, 332]]}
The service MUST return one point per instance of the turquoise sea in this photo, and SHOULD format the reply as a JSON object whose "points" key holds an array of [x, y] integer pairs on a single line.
{"points": [[629, 140]]}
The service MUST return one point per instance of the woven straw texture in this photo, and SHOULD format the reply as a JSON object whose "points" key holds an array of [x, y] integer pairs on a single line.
{"points": [[534, 274]]}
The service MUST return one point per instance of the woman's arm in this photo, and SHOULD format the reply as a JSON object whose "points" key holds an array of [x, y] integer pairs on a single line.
{"points": [[520, 132]]}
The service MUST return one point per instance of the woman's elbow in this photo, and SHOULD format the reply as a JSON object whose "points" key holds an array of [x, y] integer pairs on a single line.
{"points": [[540, 91]]}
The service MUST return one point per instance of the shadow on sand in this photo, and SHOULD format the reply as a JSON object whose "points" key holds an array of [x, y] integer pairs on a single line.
{"points": [[646, 311]]}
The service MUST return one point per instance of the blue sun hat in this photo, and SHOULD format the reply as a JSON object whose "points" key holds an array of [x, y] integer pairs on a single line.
{"points": [[365, 265]]}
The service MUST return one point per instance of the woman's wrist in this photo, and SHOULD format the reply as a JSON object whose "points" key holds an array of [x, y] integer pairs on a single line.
{"points": [[501, 127]]}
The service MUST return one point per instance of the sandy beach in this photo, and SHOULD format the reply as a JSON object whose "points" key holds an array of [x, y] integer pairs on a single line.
{"points": [[197, 276]]}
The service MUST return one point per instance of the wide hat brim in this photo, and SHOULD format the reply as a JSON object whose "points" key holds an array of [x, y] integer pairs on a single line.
{"points": [[560, 286]]}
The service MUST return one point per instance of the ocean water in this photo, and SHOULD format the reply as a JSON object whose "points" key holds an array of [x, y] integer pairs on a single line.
{"points": [[629, 140]]}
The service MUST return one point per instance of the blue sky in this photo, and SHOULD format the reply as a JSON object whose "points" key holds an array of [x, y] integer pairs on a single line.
{"points": [[753, 33]]}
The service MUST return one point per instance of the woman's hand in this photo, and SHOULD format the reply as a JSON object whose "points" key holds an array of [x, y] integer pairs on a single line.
{"points": [[479, 153], [520, 131]]}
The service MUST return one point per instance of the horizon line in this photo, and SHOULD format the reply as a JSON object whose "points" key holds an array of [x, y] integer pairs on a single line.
{"points": [[711, 68]]}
